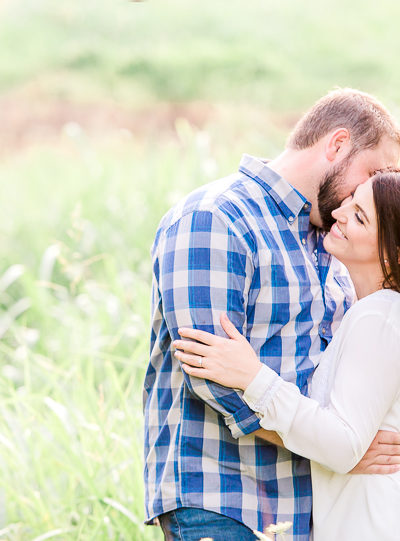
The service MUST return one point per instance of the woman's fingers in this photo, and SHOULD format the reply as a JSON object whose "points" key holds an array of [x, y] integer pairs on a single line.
{"points": [[200, 336], [208, 338], [197, 372], [193, 360], [229, 327], [191, 347]]}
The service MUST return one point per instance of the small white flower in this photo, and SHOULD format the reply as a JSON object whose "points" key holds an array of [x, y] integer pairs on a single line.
{"points": [[279, 528], [262, 536]]}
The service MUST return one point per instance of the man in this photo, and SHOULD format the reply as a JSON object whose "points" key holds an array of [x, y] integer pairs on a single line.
{"points": [[251, 245]]}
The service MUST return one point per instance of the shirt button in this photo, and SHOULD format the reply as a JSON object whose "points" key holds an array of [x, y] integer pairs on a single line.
{"points": [[303, 241], [306, 206], [291, 218], [323, 330]]}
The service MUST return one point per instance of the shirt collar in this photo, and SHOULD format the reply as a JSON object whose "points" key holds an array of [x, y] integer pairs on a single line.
{"points": [[288, 199]]}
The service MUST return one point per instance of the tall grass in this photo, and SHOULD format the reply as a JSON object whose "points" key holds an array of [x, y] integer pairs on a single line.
{"points": [[74, 313]]}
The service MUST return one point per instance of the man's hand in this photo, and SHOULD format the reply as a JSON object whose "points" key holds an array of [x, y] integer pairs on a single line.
{"points": [[383, 456]]}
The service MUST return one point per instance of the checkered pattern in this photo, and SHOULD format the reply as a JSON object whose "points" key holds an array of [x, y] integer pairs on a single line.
{"points": [[242, 245]]}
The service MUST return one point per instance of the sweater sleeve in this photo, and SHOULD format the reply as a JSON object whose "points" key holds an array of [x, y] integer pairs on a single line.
{"points": [[366, 384]]}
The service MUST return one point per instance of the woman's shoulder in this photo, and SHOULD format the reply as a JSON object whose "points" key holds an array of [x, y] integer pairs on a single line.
{"points": [[382, 305]]}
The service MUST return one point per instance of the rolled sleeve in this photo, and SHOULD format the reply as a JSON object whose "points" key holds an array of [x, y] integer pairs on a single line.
{"points": [[205, 268], [243, 421]]}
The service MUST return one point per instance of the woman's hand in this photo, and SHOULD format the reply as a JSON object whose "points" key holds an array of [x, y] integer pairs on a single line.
{"points": [[231, 362]]}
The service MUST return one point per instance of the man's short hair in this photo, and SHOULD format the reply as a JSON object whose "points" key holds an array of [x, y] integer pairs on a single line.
{"points": [[364, 116]]}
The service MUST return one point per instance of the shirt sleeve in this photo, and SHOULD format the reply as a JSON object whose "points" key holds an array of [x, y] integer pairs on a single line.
{"points": [[366, 384], [205, 268]]}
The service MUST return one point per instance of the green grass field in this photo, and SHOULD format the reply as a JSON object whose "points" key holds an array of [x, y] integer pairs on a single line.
{"points": [[188, 87]]}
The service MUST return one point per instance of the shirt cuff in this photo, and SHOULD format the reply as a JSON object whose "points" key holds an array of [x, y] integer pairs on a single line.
{"points": [[261, 389], [244, 421]]}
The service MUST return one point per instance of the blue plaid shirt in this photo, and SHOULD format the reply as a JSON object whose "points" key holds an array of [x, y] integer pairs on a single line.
{"points": [[242, 245]]}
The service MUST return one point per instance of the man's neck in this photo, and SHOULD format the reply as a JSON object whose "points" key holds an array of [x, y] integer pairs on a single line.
{"points": [[303, 170], [297, 168]]}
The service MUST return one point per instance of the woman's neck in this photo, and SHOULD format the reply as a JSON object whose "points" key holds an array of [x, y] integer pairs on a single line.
{"points": [[366, 281]]}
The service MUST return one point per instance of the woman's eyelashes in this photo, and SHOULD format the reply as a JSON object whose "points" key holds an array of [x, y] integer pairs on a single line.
{"points": [[358, 218], [356, 214]]}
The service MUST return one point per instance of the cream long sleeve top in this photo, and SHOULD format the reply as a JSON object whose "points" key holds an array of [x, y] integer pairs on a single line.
{"points": [[355, 393]]}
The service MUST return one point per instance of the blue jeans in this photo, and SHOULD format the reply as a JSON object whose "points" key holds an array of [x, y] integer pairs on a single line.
{"points": [[190, 524]]}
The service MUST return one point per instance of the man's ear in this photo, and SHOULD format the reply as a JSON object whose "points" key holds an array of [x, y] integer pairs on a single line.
{"points": [[338, 144]]}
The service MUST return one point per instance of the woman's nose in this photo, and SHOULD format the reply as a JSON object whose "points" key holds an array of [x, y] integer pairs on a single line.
{"points": [[340, 214]]}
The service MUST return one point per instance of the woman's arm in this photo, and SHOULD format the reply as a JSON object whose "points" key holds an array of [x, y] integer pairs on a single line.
{"points": [[366, 384]]}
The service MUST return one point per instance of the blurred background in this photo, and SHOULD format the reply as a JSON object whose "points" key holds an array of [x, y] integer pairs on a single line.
{"points": [[110, 111]]}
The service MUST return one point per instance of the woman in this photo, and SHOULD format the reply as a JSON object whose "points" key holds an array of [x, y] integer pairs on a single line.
{"points": [[356, 387]]}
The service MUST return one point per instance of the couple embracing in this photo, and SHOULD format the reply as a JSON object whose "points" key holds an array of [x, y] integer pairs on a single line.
{"points": [[273, 388]]}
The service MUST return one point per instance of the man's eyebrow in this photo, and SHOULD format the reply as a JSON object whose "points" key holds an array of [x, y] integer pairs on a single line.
{"points": [[362, 212]]}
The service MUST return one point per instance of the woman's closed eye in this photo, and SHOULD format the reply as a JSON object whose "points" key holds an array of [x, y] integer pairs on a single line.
{"points": [[358, 218]]}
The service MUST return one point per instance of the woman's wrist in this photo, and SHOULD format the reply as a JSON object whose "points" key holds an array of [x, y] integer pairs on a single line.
{"points": [[251, 375], [259, 390]]}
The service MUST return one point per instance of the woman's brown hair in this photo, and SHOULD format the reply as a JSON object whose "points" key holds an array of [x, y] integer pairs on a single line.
{"points": [[386, 191]]}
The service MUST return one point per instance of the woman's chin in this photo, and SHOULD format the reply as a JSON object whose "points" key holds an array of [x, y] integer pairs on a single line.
{"points": [[328, 243], [331, 247]]}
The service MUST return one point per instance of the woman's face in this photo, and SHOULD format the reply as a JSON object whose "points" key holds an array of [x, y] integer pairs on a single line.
{"points": [[353, 238]]}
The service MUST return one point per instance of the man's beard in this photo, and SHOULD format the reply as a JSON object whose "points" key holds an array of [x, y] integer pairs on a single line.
{"points": [[329, 190]]}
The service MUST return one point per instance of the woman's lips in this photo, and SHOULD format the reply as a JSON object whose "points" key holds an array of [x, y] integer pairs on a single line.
{"points": [[336, 232]]}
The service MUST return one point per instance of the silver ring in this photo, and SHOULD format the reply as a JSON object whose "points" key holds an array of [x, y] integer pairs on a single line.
{"points": [[201, 362]]}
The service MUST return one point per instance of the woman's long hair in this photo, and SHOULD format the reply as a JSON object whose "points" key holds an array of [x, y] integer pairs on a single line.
{"points": [[386, 191]]}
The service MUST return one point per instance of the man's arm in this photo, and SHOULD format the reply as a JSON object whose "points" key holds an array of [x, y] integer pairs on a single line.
{"points": [[269, 436], [205, 267], [383, 455]]}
